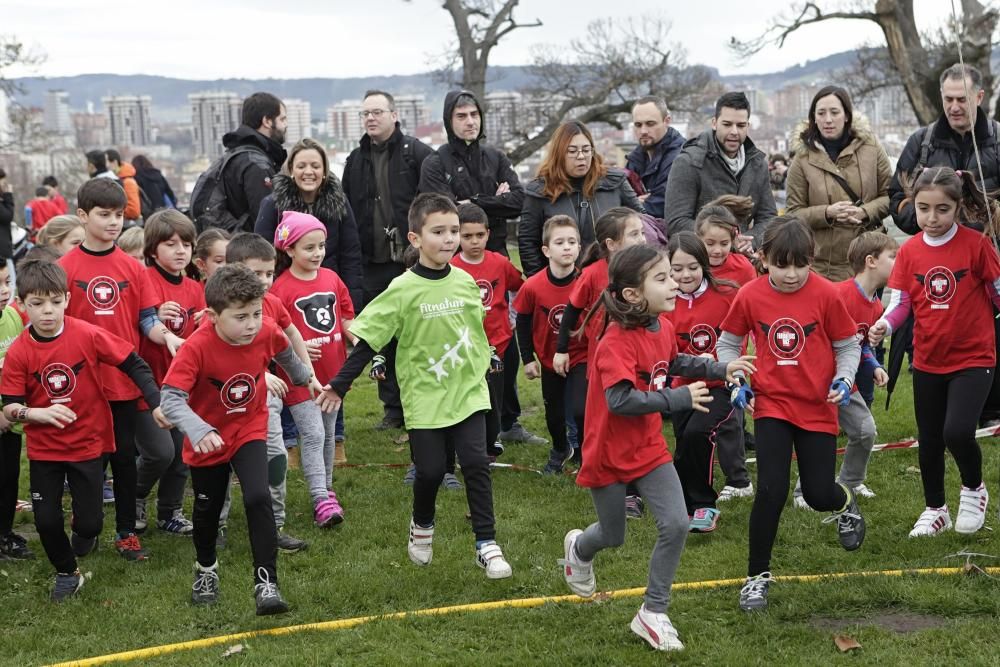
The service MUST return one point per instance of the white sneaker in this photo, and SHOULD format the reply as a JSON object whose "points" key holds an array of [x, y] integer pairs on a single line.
{"points": [[490, 558], [863, 491], [419, 547], [801, 504], [730, 492], [971, 510], [933, 521], [579, 574], [656, 629]]}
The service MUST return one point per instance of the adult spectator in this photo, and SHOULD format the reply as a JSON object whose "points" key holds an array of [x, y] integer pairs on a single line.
{"points": [[6, 217], [380, 179], [152, 182], [246, 179], [310, 187], [839, 180], [126, 175], [659, 145], [52, 185], [572, 180], [722, 161], [97, 166], [39, 210], [468, 170]]}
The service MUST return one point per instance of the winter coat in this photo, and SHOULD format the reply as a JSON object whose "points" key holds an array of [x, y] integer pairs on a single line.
{"points": [[343, 249], [247, 181], [811, 188], [6, 217], [156, 188], [946, 149], [133, 204], [612, 190], [700, 174], [655, 171], [406, 155], [474, 171]]}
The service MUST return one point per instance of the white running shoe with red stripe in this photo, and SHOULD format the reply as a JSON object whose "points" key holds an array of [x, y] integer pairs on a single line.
{"points": [[656, 629], [933, 521], [972, 510]]}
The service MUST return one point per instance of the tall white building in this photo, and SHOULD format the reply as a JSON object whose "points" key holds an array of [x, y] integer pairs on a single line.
{"points": [[213, 114], [343, 122], [504, 115], [57, 118], [299, 114], [4, 119], [412, 111], [129, 119]]}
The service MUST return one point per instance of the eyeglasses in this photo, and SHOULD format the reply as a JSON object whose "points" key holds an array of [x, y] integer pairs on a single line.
{"points": [[582, 152], [374, 113]]}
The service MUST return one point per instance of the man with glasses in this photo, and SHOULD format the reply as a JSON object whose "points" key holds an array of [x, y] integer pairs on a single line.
{"points": [[380, 180]]}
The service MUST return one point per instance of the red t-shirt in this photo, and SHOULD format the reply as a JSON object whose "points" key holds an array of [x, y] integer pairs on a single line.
{"points": [[272, 307], [65, 370], [60, 204], [795, 359], [586, 292], [953, 318], [546, 301], [495, 276], [737, 268], [42, 210], [619, 448], [226, 388], [109, 290], [864, 311], [696, 321], [190, 296], [318, 309]]}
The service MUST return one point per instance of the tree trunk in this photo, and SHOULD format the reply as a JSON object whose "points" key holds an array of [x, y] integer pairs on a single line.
{"points": [[908, 55], [979, 24]]}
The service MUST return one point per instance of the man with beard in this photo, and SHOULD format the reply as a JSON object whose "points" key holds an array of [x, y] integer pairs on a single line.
{"points": [[659, 145]]}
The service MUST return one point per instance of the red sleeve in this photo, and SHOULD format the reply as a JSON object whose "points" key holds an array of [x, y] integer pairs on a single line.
{"points": [[60, 204], [514, 279], [579, 298], [344, 299], [989, 263], [14, 379], [838, 323], [111, 349], [737, 321], [147, 294], [183, 371], [900, 277], [524, 301], [615, 363], [277, 341], [281, 316]]}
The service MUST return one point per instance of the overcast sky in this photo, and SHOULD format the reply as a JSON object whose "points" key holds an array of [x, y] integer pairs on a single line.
{"points": [[209, 39]]}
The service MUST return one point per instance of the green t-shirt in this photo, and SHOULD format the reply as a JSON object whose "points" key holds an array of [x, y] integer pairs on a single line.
{"points": [[443, 354], [11, 327]]}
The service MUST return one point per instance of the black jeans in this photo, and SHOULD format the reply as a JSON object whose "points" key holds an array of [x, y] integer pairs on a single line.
{"points": [[376, 279], [160, 461], [10, 475], [510, 408], [947, 409], [817, 460], [210, 484], [86, 479], [122, 461], [429, 450], [554, 398], [700, 439]]}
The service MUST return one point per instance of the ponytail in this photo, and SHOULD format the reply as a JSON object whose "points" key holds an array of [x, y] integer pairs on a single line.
{"points": [[627, 269], [610, 226]]}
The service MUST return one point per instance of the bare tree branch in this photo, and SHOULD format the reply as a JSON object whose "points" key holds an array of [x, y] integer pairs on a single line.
{"points": [[807, 13]]}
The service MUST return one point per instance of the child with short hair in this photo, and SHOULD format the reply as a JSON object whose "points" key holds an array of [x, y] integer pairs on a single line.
{"points": [[209, 253], [62, 233], [12, 545], [133, 242], [807, 356], [110, 290], [215, 394], [627, 394], [947, 274], [540, 305], [718, 227], [52, 383], [436, 313]]}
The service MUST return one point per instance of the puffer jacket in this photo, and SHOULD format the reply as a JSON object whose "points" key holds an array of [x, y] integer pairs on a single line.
{"points": [[864, 164], [133, 204], [612, 190]]}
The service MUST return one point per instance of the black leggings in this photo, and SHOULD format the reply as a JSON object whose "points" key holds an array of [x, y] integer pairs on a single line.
{"points": [[554, 398], [429, 450], [496, 385], [123, 464], [86, 479], [210, 484], [700, 436], [817, 460], [10, 475], [947, 409]]}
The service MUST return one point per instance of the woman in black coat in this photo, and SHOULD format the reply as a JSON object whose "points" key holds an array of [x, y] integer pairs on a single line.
{"points": [[6, 216], [152, 182]]}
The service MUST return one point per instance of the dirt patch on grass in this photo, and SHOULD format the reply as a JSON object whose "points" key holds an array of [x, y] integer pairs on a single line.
{"points": [[900, 622]]}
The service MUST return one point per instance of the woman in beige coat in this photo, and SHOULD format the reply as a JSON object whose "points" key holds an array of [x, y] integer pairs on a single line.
{"points": [[838, 182]]}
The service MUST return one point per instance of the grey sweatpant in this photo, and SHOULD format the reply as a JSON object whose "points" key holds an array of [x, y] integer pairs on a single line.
{"points": [[317, 431], [661, 491], [859, 426], [277, 466]]}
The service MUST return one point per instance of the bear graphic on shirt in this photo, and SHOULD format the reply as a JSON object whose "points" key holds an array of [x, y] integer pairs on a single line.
{"points": [[318, 310]]}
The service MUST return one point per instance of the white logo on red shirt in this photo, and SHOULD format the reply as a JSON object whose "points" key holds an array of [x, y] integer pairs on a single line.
{"points": [[862, 332], [237, 391], [703, 339], [59, 381], [318, 311], [939, 286], [787, 338], [659, 375], [103, 293], [485, 291], [177, 324], [555, 317]]}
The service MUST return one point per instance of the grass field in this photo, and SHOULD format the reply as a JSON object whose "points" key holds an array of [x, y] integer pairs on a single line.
{"points": [[361, 568]]}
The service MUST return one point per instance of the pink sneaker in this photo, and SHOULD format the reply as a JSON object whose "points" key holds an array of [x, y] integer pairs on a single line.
{"points": [[327, 513], [337, 509]]}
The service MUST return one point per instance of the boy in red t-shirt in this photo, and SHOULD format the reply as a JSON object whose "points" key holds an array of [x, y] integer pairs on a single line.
{"points": [[110, 290], [540, 305], [216, 394], [52, 383]]}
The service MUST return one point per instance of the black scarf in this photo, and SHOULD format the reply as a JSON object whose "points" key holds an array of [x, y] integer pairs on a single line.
{"points": [[330, 206]]}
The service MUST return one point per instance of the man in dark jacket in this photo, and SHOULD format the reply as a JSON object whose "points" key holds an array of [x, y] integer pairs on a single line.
{"points": [[247, 177], [721, 161], [380, 180], [659, 145], [468, 170]]}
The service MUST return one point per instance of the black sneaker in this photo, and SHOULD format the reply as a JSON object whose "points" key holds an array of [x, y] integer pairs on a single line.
{"points": [[556, 461], [14, 547], [205, 589], [130, 548], [389, 423], [220, 539], [850, 524], [753, 595], [634, 507], [495, 449], [268, 597], [66, 586], [290, 544], [82, 545]]}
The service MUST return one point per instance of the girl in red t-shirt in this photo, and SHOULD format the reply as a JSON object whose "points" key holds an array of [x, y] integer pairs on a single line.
{"points": [[209, 253], [807, 356], [321, 309], [703, 302], [718, 228], [946, 275], [628, 393]]}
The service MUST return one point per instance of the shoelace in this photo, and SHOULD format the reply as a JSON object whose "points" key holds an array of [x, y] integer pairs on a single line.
{"points": [[266, 588], [755, 587], [131, 543], [204, 582]]}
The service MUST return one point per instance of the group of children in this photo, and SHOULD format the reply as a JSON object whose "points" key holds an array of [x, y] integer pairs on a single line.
{"points": [[628, 335]]}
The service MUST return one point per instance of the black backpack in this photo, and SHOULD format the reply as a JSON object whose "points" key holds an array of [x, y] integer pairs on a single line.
{"points": [[146, 205], [208, 199]]}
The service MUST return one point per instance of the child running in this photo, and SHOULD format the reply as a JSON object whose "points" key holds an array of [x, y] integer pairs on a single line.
{"points": [[628, 392], [12, 545], [436, 313], [321, 309], [807, 356], [946, 275], [215, 393]]}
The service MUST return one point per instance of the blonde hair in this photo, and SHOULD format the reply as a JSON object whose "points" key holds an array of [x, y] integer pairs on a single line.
{"points": [[132, 240], [57, 228]]}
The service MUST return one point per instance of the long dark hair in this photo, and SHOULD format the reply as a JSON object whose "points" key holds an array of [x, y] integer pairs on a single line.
{"points": [[689, 243], [627, 269], [811, 134], [142, 162], [609, 227], [961, 187]]}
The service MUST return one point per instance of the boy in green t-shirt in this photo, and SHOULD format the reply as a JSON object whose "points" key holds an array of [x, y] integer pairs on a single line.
{"points": [[436, 313]]}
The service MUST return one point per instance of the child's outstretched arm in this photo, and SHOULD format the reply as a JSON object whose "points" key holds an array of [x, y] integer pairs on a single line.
{"points": [[174, 403], [691, 366], [728, 347], [299, 372], [624, 399], [896, 312], [139, 372], [335, 390], [848, 355]]}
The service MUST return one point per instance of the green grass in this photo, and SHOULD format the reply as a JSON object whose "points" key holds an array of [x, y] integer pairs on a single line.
{"points": [[362, 568]]}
